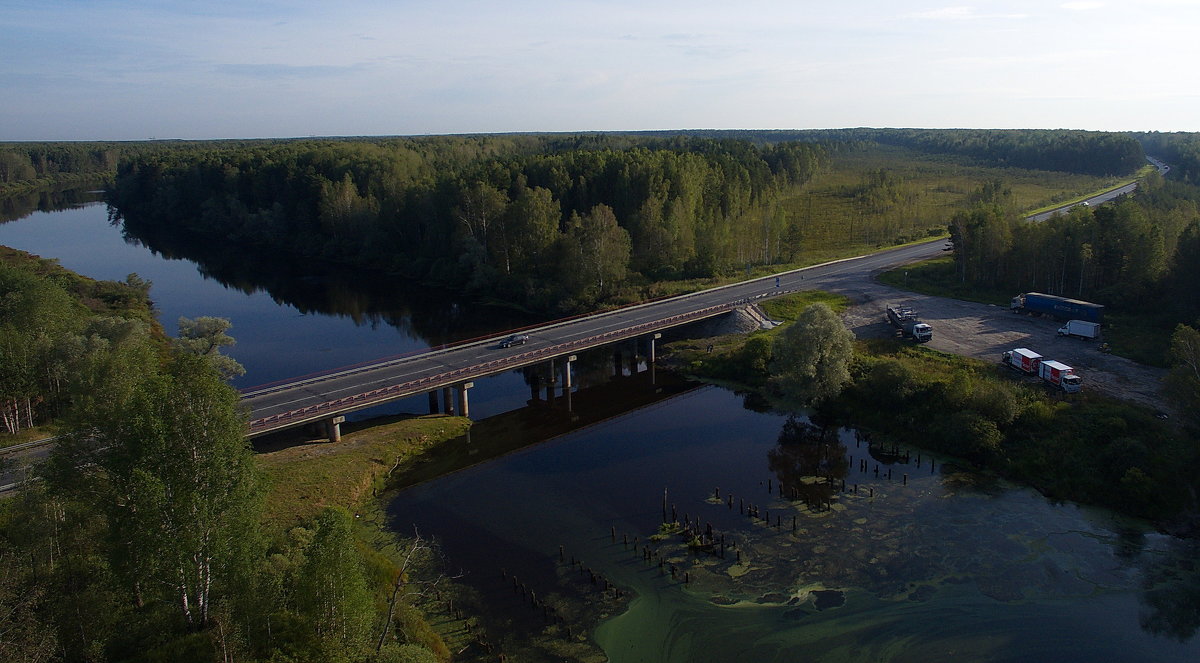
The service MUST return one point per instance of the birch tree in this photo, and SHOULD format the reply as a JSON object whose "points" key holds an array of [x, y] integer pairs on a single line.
{"points": [[168, 465]]}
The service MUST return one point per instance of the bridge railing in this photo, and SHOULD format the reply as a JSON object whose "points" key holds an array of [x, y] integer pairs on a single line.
{"points": [[448, 347], [429, 383]]}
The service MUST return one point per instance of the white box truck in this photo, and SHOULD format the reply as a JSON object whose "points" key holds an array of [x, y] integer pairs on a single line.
{"points": [[1060, 375], [1080, 329]]}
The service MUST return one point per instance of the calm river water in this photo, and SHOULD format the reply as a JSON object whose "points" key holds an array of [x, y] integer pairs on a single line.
{"points": [[915, 562]]}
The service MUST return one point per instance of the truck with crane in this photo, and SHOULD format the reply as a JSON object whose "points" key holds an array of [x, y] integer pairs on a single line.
{"points": [[909, 323]]}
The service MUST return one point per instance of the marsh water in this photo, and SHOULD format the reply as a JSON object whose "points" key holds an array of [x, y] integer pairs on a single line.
{"points": [[834, 549], [934, 563]]}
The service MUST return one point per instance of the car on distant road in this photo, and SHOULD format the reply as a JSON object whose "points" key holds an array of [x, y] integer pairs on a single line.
{"points": [[515, 339]]}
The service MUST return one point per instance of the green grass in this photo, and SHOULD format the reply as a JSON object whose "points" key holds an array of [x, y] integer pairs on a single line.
{"points": [[788, 307], [1142, 172], [937, 277], [305, 476], [838, 219]]}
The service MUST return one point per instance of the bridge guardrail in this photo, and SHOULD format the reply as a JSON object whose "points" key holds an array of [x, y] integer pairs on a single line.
{"points": [[391, 392], [449, 347]]}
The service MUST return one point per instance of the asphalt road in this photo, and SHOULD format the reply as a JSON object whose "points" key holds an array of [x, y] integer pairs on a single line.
{"points": [[1162, 167], [455, 365]]}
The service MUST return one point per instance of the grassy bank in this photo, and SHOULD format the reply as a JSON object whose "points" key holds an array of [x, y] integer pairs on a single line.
{"points": [[308, 476], [305, 476]]}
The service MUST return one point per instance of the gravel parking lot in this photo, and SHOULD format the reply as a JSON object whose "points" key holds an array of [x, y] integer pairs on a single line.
{"points": [[984, 331]]}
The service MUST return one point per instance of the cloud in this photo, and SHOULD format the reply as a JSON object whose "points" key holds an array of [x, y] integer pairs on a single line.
{"points": [[961, 14], [275, 71], [1082, 6]]}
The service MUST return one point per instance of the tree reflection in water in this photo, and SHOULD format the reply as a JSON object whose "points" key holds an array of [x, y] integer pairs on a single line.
{"points": [[809, 460], [1171, 592]]}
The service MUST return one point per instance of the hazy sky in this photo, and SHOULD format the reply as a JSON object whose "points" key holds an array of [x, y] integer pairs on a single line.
{"points": [[122, 69]]}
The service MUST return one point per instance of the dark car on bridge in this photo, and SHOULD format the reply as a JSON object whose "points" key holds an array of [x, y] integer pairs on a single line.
{"points": [[515, 339]]}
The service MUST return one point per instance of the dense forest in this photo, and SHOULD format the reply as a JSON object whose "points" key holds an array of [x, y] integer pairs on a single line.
{"points": [[1085, 152], [542, 221], [549, 222]]}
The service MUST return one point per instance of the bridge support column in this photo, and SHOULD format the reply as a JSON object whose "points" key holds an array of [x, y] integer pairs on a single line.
{"points": [[333, 428], [567, 382], [652, 340], [447, 401], [463, 408], [567, 373], [433, 404]]}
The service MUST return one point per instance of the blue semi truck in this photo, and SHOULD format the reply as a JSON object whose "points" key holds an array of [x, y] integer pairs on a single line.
{"points": [[1061, 308]]}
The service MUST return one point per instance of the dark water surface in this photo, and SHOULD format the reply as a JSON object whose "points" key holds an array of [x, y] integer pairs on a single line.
{"points": [[290, 317], [938, 565]]}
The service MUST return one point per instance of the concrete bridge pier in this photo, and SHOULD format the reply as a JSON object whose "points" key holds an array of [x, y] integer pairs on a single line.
{"points": [[333, 428], [652, 340], [567, 373], [447, 401], [567, 382], [433, 402], [464, 408]]}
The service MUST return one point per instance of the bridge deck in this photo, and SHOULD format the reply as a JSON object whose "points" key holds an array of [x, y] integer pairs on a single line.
{"points": [[311, 399]]}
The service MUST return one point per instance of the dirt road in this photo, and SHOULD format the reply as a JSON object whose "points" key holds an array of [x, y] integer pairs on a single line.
{"points": [[984, 331]]}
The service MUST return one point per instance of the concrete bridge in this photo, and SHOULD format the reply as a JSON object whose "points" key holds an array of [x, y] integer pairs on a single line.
{"points": [[446, 373]]}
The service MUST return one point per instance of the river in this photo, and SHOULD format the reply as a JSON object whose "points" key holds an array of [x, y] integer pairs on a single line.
{"points": [[289, 318], [834, 550]]}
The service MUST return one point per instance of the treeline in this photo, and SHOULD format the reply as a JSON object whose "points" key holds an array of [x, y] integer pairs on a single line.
{"points": [[1140, 253], [143, 540], [539, 220], [1084, 152]]}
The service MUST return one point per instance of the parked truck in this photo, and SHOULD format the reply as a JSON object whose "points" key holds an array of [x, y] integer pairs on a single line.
{"points": [[1061, 308], [1060, 375], [1022, 359], [909, 323], [1080, 329]]}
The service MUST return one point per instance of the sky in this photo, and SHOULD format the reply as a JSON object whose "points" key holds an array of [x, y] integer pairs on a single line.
{"points": [[130, 70]]}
